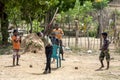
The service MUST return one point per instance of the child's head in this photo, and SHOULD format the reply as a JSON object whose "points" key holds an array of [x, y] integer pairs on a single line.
{"points": [[15, 32], [104, 35], [40, 34], [56, 26]]}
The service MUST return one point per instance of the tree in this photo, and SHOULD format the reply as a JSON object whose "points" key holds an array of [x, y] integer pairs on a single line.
{"points": [[4, 24], [100, 5], [14, 11]]}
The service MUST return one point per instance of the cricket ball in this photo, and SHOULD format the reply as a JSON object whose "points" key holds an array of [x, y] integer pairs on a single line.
{"points": [[30, 66], [76, 67]]}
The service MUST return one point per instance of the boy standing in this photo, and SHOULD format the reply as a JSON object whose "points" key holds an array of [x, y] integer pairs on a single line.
{"points": [[58, 34], [16, 40], [105, 51], [48, 52]]}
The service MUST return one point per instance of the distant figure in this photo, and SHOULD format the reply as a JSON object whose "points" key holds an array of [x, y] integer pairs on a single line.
{"points": [[16, 40], [48, 51], [105, 51], [58, 34]]}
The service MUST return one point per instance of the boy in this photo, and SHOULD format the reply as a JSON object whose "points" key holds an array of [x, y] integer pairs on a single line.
{"points": [[104, 51], [16, 40], [48, 52], [58, 34]]}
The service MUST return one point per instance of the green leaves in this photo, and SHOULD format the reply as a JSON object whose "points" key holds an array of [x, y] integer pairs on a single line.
{"points": [[100, 4]]}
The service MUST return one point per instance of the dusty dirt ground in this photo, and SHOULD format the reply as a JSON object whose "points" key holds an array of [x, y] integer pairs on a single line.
{"points": [[86, 63]]}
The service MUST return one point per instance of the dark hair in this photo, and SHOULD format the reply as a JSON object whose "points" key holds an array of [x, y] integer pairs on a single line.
{"points": [[56, 25], [38, 33], [15, 30], [104, 33]]}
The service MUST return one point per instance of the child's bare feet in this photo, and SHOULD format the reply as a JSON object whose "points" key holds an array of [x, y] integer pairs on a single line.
{"points": [[18, 64], [101, 67], [45, 72], [49, 71], [107, 68]]}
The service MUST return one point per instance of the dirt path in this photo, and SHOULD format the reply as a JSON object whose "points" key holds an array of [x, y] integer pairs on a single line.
{"points": [[87, 64]]}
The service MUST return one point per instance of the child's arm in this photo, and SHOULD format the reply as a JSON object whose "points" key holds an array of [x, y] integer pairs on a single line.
{"points": [[15, 39]]}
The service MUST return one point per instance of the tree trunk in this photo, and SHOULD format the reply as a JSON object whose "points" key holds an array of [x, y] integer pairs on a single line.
{"points": [[15, 21], [31, 28], [48, 18], [98, 28], [101, 28], [114, 26], [98, 31], [88, 37], [4, 28], [77, 33]]}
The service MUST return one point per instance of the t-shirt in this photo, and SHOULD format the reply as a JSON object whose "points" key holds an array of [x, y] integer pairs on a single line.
{"points": [[58, 33], [16, 44], [105, 44], [47, 41]]}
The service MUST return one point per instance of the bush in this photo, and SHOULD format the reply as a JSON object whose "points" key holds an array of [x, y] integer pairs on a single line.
{"points": [[92, 33]]}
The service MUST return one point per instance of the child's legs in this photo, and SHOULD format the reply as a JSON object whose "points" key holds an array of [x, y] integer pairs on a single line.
{"points": [[48, 57], [61, 52], [101, 58], [61, 49], [49, 62], [14, 56], [46, 53], [14, 53], [107, 59], [18, 56]]}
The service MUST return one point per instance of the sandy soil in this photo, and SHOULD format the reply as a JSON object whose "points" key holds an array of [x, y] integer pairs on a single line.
{"points": [[86, 63]]}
